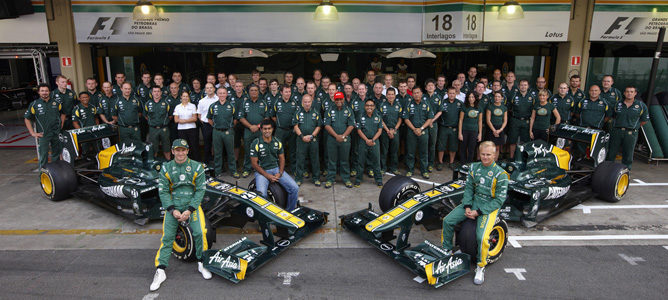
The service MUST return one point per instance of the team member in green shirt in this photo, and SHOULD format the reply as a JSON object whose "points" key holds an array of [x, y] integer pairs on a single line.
{"points": [[434, 100], [306, 124], [156, 112], [609, 93], [369, 128], [222, 116], [418, 116], [143, 89], [520, 105], [178, 79], [66, 98], [339, 123], [196, 93], [84, 113], [593, 112], [629, 115], [253, 111], [391, 111], [127, 112], [48, 116], [93, 92], [540, 117], [564, 103], [282, 113], [496, 118], [273, 94], [357, 106], [448, 124], [119, 78], [107, 102], [470, 127]]}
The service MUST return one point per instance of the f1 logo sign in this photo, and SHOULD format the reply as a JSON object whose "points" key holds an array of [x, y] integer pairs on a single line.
{"points": [[108, 25], [630, 25]]}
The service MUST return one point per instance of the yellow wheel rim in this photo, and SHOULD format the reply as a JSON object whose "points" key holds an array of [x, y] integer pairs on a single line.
{"points": [[179, 248], [622, 184], [499, 242], [46, 183]]}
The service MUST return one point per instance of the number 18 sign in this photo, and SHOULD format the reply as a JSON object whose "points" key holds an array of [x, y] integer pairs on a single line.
{"points": [[452, 26]]}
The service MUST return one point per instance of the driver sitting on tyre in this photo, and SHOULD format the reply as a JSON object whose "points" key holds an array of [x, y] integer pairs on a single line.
{"points": [[485, 192]]}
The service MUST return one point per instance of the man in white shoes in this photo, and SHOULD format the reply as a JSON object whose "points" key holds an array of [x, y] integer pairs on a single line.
{"points": [[485, 192], [181, 186]]}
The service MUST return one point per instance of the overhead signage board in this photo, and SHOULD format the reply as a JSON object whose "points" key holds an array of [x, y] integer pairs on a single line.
{"points": [[628, 21], [543, 21]]}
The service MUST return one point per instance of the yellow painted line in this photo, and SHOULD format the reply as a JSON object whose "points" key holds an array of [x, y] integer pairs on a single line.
{"points": [[32, 161], [134, 232]]}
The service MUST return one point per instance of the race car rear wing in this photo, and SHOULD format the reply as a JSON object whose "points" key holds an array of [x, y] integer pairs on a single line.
{"points": [[595, 140], [87, 141]]}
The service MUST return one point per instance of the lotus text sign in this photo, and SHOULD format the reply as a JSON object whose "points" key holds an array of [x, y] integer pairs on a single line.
{"points": [[544, 21]]}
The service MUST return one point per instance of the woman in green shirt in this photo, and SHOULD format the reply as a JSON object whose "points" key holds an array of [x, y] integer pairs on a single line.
{"points": [[540, 118], [496, 116], [470, 128]]}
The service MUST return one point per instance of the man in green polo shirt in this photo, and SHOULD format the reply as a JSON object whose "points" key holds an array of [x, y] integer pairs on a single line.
{"points": [[418, 116], [447, 131], [306, 124], [628, 116], [434, 100], [66, 98], [222, 116], [339, 123], [48, 117], [564, 103], [156, 112], [609, 93], [593, 112], [253, 111], [84, 113], [127, 112], [369, 128], [391, 111], [93, 92], [119, 78], [178, 79], [107, 102], [282, 113], [521, 104], [143, 89]]}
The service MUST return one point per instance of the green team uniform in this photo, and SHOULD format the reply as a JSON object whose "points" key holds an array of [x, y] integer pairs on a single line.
{"points": [[196, 96], [254, 113], [339, 120], [484, 101], [448, 136], [369, 125], [625, 127], [284, 111], [520, 106], [404, 100], [469, 85], [222, 139], [143, 92], [496, 116], [378, 100], [67, 99], [157, 114], [593, 113], [307, 121], [564, 106], [611, 97], [239, 128], [577, 96], [296, 96], [435, 101], [391, 113], [94, 98], [46, 116], [443, 93], [271, 99], [183, 87], [327, 105], [84, 115], [510, 92], [470, 122], [485, 191], [106, 105], [181, 187], [357, 105], [418, 114], [127, 111], [173, 127], [535, 91], [543, 113]]}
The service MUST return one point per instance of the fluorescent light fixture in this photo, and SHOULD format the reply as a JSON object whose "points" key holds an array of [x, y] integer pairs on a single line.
{"points": [[144, 10], [326, 11], [329, 56], [511, 10]]}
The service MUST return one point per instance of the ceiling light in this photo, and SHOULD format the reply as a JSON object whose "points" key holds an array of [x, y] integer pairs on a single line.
{"points": [[326, 11], [511, 10]]}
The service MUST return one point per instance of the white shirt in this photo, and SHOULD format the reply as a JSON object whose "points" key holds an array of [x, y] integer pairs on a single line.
{"points": [[203, 107], [487, 91], [385, 90], [185, 112], [461, 97], [226, 85]]}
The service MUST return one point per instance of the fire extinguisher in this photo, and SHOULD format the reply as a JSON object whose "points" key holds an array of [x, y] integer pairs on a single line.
{"points": [[69, 84]]}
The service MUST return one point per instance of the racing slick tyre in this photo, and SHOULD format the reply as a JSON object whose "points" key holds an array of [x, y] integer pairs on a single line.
{"points": [[397, 190], [498, 237], [275, 192], [184, 248], [58, 180], [610, 181]]}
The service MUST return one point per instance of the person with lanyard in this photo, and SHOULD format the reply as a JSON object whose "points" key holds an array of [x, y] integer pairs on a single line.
{"points": [[282, 113], [93, 92], [448, 133], [181, 187], [520, 105], [369, 127], [418, 116], [564, 103], [539, 126], [306, 124], [435, 102], [273, 95], [266, 155], [48, 116], [391, 111], [178, 79], [485, 192], [593, 112], [196, 93], [253, 111], [509, 88], [119, 78], [126, 113], [496, 118], [470, 127], [84, 113], [629, 115], [107, 102], [185, 116], [66, 98], [339, 123], [156, 112], [357, 106], [203, 105], [222, 116]]}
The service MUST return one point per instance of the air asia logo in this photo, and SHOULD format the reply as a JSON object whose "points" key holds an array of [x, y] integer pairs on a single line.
{"points": [[623, 26], [105, 27]]}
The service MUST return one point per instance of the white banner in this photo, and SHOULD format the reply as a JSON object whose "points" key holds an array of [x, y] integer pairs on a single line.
{"points": [[536, 26], [627, 26], [452, 26], [25, 29]]}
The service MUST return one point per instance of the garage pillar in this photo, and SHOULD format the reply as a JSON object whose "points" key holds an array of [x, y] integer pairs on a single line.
{"points": [[577, 45]]}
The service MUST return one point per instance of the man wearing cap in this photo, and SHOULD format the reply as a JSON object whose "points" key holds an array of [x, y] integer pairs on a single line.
{"points": [[181, 187], [339, 123]]}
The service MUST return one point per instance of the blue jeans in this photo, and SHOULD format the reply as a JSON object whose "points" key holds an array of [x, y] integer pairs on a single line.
{"points": [[289, 184]]}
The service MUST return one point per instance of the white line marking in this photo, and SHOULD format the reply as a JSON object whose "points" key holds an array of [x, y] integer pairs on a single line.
{"points": [[150, 296], [587, 208], [517, 272], [588, 237], [648, 184], [638, 181], [514, 242], [665, 247], [287, 276], [631, 260], [419, 279]]}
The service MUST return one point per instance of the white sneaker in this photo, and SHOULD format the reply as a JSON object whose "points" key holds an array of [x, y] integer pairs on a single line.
{"points": [[479, 275], [158, 279], [205, 273]]}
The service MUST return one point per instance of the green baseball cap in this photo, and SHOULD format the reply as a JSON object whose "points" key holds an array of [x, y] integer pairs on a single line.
{"points": [[180, 143]]}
